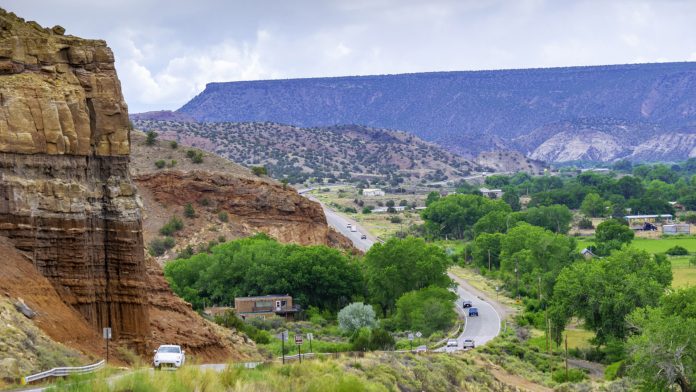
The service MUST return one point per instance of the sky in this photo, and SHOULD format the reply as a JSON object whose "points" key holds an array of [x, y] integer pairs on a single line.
{"points": [[167, 50]]}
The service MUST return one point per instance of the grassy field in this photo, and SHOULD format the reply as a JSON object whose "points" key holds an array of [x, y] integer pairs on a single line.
{"points": [[382, 225], [653, 246]]}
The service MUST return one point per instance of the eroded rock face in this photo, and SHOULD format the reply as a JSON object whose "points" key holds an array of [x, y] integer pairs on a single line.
{"points": [[66, 197]]}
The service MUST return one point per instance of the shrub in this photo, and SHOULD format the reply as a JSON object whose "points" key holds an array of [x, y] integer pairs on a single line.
{"points": [[614, 371], [367, 210], [574, 375], [692, 261], [361, 339], [350, 210], [677, 251], [197, 158], [173, 163], [381, 339], [356, 316], [160, 164], [689, 218], [403, 203], [173, 144], [175, 224], [186, 253], [395, 219], [390, 203], [158, 246], [205, 202], [585, 223], [189, 212], [151, 138], [259, 170], [223, 216], [426, 310]]}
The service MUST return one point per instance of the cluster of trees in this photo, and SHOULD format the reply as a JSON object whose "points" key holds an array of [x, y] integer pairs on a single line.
{"points": [[465, 216], [402, 278]]}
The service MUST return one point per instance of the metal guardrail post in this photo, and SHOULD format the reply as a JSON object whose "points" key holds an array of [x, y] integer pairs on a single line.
{"points": [[63, 371]]}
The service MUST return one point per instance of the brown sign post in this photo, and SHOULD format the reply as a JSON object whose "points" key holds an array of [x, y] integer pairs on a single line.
{"points": [[298, 342]]}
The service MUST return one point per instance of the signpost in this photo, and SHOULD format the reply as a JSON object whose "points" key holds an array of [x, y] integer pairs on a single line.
{"points": [[283, 336], [298, 342], [107, 336], [310, 337], [410, 340]]}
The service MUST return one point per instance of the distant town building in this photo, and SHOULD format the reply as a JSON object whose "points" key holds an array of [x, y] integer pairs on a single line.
{"points": [[370, 192], [266, 306], [491, 193], [682, 228], [639, 222]]}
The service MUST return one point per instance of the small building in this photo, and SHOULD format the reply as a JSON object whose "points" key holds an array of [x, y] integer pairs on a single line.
{"points": [[371, 192], [675, 229], [587, 254], [382, 210], [266, 306], [639, 222], [491, 193]]}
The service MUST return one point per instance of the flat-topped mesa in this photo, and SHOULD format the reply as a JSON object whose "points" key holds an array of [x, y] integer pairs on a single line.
{"points": [[66, 196], [59, 94]]}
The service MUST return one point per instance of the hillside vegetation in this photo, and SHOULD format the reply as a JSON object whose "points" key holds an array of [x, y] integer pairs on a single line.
{"points": [[297, 154], [559, 114]]}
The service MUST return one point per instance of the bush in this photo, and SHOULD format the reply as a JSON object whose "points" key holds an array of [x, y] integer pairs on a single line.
{"points": [[356, 316], [614, 371], [259, 170], [151, 138], [574, 375], [395, 219], [390, 203], [381, 339], [223, 216], [403, 203], [361, 339], [186, 253], [196, 156], [677, 251], [367, 210], [692, 261], [585, 224], [160, 164], [173, 144], [158, 246], [689, 218], [175, 224], [426, 310], [189, 212]]}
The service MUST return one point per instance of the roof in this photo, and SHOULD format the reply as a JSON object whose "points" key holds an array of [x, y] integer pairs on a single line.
{"points": [[648, 216], [371, 189], [264, 296], [490, 190]]}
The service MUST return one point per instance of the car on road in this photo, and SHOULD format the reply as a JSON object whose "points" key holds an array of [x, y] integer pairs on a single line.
{"points": [[363, 237], [169, 355], [349, 225], [468, 343], [354, 229], [473, 312], [467, 304]]}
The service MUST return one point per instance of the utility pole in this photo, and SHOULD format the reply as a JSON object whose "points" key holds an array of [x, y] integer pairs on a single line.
{"points": [[517, 280], [566, 356], [489, 260]]}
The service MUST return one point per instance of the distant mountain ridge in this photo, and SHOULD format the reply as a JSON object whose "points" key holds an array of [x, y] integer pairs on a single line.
{"points": [[473, 111]]}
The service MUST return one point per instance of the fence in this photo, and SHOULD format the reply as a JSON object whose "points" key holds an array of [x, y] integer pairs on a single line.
{"points": [[63, 371]]}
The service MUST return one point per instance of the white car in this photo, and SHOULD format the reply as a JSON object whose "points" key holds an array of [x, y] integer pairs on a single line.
{"points": [[169, 355], [469, 343], [452, 345]]}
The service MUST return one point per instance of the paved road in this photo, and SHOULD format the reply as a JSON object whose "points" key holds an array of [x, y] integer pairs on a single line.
{"points": [[481, 328]]}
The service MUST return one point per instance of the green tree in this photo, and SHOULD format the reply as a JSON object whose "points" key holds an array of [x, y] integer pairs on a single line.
{"points": [[495, 222], [151, 138], [355, 316], [426, 310], [432, 197], [259, 170], [455, 215], [605, 291], [390, 203], [512, 198], [401, 265], [160, 164], [486, 245], [612, 234], [594, 206], [173, 225], [556, 218]]}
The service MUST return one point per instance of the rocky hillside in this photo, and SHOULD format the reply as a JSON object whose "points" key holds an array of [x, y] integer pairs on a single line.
{"points": [[228, 200], [472, 112], [341, 152], [67, 200], [509, 161]]}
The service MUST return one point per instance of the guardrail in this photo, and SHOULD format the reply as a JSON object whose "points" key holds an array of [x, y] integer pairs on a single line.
{"points": [[63, 371]]}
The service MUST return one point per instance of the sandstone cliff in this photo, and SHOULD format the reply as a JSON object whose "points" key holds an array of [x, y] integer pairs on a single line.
{"points": [[66, 196]]}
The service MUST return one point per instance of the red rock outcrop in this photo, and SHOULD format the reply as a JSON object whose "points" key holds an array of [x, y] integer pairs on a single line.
{"points": [[66, 197]]}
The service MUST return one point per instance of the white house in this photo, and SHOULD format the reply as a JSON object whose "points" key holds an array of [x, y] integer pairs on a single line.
{"points": [[372, 192], [492, 193]]}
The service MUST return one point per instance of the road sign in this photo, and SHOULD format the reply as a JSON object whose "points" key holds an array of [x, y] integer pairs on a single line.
{"points": [[418, 334], [107, 333], [410, 337], [298, 339], [310, 336]]}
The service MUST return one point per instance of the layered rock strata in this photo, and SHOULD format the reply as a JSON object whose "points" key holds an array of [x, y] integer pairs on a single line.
{"points": [[66, 197]]}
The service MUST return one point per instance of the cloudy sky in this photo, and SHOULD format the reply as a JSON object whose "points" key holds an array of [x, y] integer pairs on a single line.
{"points": [[167, 50]]}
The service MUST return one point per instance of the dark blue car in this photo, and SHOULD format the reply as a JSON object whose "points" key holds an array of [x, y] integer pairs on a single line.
{"points": [[473, 312]]}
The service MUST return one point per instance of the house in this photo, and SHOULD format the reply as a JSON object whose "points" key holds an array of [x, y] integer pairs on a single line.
{"points": [[640, 222], [266, 306], [371, 192], [491, 193], [382, 210], [587, 254]]}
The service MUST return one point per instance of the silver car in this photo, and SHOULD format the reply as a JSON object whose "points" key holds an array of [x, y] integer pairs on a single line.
{"points": [[169, 355], [468, 343]]}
